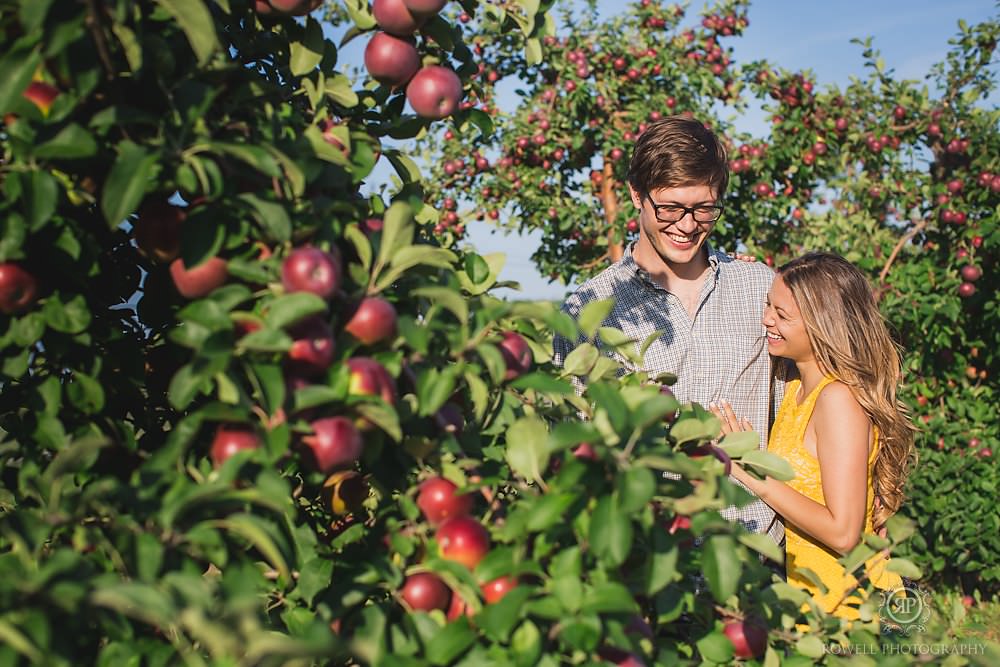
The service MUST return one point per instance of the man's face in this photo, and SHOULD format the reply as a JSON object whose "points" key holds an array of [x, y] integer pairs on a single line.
{"points": [[675, 243]]}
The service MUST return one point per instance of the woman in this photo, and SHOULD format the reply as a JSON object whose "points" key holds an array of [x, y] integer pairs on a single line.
{"points": [[840, 425]]}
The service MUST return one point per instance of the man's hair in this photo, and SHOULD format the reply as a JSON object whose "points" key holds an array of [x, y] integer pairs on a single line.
{"points": [[678, 151]]}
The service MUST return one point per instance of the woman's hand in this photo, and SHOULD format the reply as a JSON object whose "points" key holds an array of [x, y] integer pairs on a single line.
{"points": [[730, 422]]}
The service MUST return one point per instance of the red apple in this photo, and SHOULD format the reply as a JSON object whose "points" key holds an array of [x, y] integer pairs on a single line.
{"points": [[424, 591], [42, 95], [968, 601], [585, 451], [434, 92], [749, 637], [620, 658], [965, 290], [496, 590], [157, 230], [294, 7], [18, 288], [334, 442], [199, 280], [438, 501], [229, 440], [516, 355], [309, 269], [463, 540], [971, 273], [424, 8], [393, 17], [391, 60], [458, 607], [312, 347], [369, 378], [373, 321]]}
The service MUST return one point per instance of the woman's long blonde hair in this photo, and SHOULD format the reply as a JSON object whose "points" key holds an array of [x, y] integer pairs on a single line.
{"points": [[851, 342]]}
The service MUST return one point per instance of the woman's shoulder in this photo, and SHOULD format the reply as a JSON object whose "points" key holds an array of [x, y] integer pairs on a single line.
{"points": [[837, 401]]}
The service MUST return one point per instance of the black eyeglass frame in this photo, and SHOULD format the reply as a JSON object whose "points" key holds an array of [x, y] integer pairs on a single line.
{"points": [[718, 208]]}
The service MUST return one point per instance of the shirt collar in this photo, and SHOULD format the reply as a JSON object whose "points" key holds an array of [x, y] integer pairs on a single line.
{"points": [[632, 267]]}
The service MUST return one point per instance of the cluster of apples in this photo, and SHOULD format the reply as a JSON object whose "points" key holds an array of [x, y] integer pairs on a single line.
{"points": [[391, 57], [462, 539], [334, 442]]}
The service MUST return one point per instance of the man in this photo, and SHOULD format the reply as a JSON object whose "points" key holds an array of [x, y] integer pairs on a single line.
{"points": [[708, 305]]}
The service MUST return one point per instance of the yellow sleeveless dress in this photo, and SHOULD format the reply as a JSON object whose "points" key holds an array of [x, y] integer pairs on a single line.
{"points": [[802, 551]]}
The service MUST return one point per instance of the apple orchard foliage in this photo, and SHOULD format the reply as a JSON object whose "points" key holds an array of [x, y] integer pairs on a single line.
{"points": [[902, 177], [239, 398]]}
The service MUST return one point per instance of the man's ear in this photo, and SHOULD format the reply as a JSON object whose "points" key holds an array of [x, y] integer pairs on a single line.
{"points": [[636, 198]]}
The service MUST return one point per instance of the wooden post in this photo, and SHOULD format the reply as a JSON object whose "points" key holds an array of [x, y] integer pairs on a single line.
{"points": [[610, 200]]}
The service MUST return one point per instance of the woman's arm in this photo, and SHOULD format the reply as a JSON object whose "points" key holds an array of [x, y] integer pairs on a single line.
{"points": [[842, 436]]}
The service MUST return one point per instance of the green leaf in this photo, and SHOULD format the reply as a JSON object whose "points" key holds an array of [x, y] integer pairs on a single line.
{"points": [[739, 443], [543, 382], [72, 142], [721, 566], [338, 88], [307, 53], [184, 386], [265, 340], [635, 489], [291, 308], [135, 600], [611, 532], [382, 416], [476, 268], [447, 298], [763, 544], [609, 597], [15, 639], [407, 169], [905, 568], [526, 644], [16, 69], [414, 255], [196, 22], [397, 231], [769, 464], [497, 620], [581, 360], [41, 195], [691, 428], [716, 647], [85, 393], [272, 217], [257, 532], [314, 577], [12, 236], [71, 317], [360, 14], [450, 642], [811, 647], [76, 456], [527, 447], [661, 566], [549, 510], [132, 172], [362, 246], [593, 315]]}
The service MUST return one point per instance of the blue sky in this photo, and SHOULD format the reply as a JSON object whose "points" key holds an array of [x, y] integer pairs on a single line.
{"points": [[816, 36]]}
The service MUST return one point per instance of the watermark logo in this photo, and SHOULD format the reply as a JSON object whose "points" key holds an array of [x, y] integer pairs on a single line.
{"points": [[905, 610]]}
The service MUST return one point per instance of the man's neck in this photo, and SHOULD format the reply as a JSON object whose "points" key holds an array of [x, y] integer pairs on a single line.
{"points": [[672, 277]]}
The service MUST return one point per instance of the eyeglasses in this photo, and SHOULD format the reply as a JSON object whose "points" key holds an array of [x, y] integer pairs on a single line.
{"points": [[675, 212]]}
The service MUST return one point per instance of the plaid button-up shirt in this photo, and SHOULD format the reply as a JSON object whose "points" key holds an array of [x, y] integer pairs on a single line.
{"points": [[719, 355]]}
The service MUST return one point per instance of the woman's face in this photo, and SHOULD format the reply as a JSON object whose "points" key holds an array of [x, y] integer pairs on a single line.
{"points": [[786, 332]]}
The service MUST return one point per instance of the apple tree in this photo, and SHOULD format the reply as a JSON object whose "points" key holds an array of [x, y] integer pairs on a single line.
{"points": [[251, 415]]}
